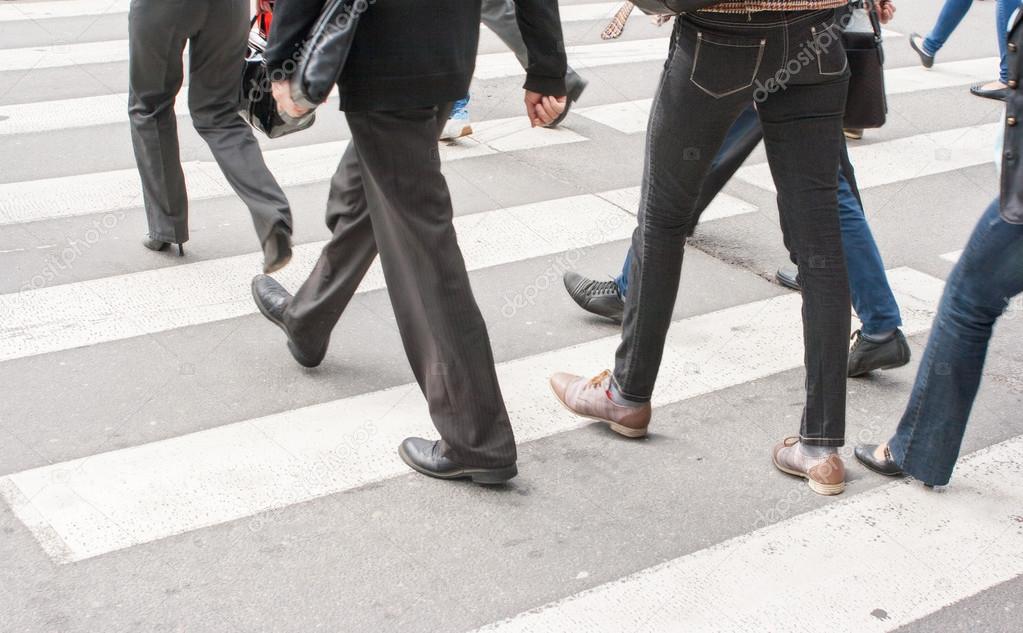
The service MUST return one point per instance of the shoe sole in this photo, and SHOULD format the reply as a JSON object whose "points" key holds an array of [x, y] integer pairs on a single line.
{"points": [[482, 476], [881, 368], [816, 486], [926, 61], [787, 284], [298, 356], [466, 131], [625, 431]]}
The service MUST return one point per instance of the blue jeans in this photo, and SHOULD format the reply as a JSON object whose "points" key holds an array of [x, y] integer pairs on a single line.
{"points": [[952, 14], [989, 274], [872, 297]]}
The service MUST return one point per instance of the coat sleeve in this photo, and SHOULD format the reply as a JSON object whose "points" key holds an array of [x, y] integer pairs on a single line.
{"points": [[292, 21], [540, 25]]}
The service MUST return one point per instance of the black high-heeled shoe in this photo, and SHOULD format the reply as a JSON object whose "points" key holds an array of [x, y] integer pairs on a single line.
{"points": [[160, 245]]}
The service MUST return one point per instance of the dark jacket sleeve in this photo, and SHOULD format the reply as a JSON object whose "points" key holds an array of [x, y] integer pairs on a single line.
{"points": [[291, 24], [540, 25]]}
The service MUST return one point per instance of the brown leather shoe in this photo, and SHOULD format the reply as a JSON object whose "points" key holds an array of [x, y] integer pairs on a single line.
{"points": [[590, 398], [826, 475]]}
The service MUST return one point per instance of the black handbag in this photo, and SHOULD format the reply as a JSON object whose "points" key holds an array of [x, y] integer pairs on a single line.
{"points": [[866, 105], [257, 104], [325, 52]]}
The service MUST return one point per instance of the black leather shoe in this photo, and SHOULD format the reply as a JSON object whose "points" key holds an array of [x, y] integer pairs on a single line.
{"points": [[998, 94], [160, 245], [272, 300], [424, 456], [599, 297], [277, 249], [916, 41], [789, 277], [886, 467], [866, 356], [574, 92]]}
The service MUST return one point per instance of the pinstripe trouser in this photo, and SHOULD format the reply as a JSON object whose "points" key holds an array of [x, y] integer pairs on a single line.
{"points": [[389, 196]]}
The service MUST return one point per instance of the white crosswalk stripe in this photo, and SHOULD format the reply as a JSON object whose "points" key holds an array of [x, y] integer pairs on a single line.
{"points": [[110, 191], [799, 571], [39, 320], [79, 8], [67, 196], [22, 11], [106, 502], [631, 117], [488, 66], [84, 489], [888, 162]]}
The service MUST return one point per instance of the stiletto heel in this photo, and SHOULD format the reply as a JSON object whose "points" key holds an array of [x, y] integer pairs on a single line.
{"points": [[181, 249]]}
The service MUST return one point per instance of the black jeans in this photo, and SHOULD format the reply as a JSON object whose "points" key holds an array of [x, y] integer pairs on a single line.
{"points": [[793, 66]]}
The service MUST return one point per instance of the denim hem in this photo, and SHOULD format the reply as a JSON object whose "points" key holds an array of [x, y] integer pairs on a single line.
{"points": [[884, 326], [821, 441]]}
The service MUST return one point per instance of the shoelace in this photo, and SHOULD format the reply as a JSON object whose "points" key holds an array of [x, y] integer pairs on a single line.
{"points": [[600, 288], [597, 382]]}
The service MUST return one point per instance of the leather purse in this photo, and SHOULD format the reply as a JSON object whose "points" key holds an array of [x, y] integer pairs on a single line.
{"points": [[866, 105], [325, 52], [256, 102], [671, 7]]}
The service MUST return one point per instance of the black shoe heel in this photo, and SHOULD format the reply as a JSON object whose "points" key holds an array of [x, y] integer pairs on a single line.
{"points": [[181, 249]]}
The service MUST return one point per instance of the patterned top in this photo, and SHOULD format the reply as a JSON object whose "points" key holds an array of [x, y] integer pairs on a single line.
{"points": [[750, 6]]}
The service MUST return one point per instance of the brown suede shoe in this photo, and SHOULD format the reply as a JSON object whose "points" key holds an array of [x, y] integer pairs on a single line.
{"points": [[591, 399], [826, 475]]}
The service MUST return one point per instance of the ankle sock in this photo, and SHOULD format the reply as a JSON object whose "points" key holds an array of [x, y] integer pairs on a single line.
{"points": [[817, 451], [619, 399], [880, 337]]}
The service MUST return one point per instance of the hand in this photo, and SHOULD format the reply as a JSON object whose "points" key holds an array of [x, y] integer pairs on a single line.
{"points": [[282, 95], [885, 10], [542, 110]]}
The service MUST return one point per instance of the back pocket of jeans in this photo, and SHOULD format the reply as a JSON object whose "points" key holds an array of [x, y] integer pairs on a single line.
{"points": [[725, 65], [831, 57]]}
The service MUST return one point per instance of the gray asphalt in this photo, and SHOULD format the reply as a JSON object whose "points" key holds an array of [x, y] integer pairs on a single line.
{"points": [[409, 553]]}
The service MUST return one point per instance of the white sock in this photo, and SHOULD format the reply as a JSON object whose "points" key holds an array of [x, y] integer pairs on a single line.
{"points": [[817, 451]]}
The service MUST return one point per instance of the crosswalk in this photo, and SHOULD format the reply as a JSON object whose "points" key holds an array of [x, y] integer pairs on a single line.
{"points": [[137, 500]]}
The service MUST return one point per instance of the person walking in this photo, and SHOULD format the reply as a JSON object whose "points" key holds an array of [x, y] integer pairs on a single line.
{"points": [[216, 32], [952, 13], [723, 56], [879, 344], [982, 286], [390, 197], [499, 17]]}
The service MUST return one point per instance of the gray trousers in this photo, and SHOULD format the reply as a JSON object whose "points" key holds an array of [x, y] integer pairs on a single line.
{"points": [[389, 195], [499, 17], [217, 32]]}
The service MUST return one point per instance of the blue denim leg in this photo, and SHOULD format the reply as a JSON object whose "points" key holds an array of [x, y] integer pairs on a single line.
{"points": [[951, 15], [623, 279], [872, 297], [989, 274], [741, 140], [1005, 9]]}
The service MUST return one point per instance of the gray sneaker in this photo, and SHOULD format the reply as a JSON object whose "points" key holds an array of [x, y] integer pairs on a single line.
{"points": [[866, 356], [599, 297]]}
